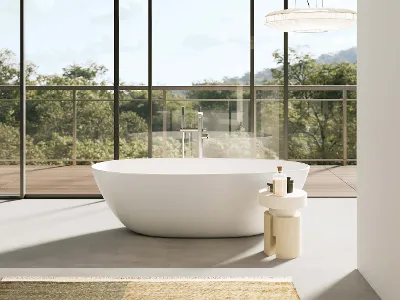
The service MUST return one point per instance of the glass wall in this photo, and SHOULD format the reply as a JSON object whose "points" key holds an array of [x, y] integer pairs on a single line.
{"points": [[201, 61], [9, 98]]}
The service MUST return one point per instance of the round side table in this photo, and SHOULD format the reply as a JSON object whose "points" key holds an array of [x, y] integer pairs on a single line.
{"points": [[282, 223]]}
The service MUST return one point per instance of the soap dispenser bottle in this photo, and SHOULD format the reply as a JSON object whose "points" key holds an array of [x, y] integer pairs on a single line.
{"points": [[280, 183], [290, 184]]}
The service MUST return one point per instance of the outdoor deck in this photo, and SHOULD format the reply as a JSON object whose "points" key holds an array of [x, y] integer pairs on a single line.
{"points": [[323, 181]]}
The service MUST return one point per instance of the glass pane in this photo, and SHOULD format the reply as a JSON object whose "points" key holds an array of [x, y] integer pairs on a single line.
{"points": [[316, 129], [9, 98], [69, 44], [268, 76], [133, 42], [326, 66], [133, 124], [269, 123], [327, 59], [196, 59], [133, 72], [352, 130]]}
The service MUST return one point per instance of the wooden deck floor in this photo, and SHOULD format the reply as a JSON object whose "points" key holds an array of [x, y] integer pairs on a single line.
{"points": [[323, 181]]}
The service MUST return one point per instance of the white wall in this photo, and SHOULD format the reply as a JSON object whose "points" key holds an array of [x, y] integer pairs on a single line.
{"points": [[378, 145]]}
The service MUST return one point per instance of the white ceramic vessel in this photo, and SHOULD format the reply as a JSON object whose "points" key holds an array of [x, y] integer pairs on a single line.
{"points": [[192, 197]]}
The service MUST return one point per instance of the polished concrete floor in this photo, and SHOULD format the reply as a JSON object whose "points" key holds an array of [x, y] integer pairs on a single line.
{"points": [[82, 237]]}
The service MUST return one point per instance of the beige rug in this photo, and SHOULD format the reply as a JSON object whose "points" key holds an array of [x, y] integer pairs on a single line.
{"points": [[135, 288]]}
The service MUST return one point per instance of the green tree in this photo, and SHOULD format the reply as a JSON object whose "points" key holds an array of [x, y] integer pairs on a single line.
{"points": [[90, 73], [315, 127]]}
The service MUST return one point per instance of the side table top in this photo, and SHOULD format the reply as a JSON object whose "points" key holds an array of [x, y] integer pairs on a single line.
{"points": [[295, 200]]}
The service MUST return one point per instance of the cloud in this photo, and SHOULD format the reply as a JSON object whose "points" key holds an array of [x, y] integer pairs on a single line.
{"points": [[239, 40], [131, 48], [99, 47], [128, 10], [40, 6], [200, 42], [101, 51], [9, 7]]}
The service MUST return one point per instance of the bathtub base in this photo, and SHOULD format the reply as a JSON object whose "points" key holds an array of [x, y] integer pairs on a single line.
{"points": [[194, 223], [193, 236]]}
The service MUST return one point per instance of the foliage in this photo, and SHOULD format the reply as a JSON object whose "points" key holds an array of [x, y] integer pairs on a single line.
{"points": [[89, 73], [315, 127]]}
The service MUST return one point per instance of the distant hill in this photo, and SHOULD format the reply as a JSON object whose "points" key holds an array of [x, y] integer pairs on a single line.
{"points": [[348, 55], [259, 77]]}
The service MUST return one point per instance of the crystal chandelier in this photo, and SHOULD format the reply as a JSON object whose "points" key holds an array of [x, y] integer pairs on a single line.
{"points": [[311, 20]]}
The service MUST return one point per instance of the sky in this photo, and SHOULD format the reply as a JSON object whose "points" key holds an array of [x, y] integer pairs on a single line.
{"points": [[192, 40]]}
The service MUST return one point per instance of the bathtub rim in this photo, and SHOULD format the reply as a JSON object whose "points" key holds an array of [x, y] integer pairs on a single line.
{"points": [[97, 167]]}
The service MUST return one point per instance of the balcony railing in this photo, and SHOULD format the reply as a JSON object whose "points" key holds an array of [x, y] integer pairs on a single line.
{"points": [[163, 93]]}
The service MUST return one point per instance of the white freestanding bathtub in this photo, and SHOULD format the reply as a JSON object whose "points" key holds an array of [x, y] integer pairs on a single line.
{"points": [[191, 197]]}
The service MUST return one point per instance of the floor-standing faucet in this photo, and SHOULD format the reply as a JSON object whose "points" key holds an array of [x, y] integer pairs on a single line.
{"points": [[183, 132], [201, 132]]}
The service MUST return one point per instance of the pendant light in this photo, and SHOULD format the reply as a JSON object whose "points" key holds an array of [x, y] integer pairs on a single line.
{"points": [[311, 20]]}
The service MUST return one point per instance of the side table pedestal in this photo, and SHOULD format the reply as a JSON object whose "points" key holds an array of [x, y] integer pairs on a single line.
{"points": [[282, 236], [269, 238], [282, 224]]}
